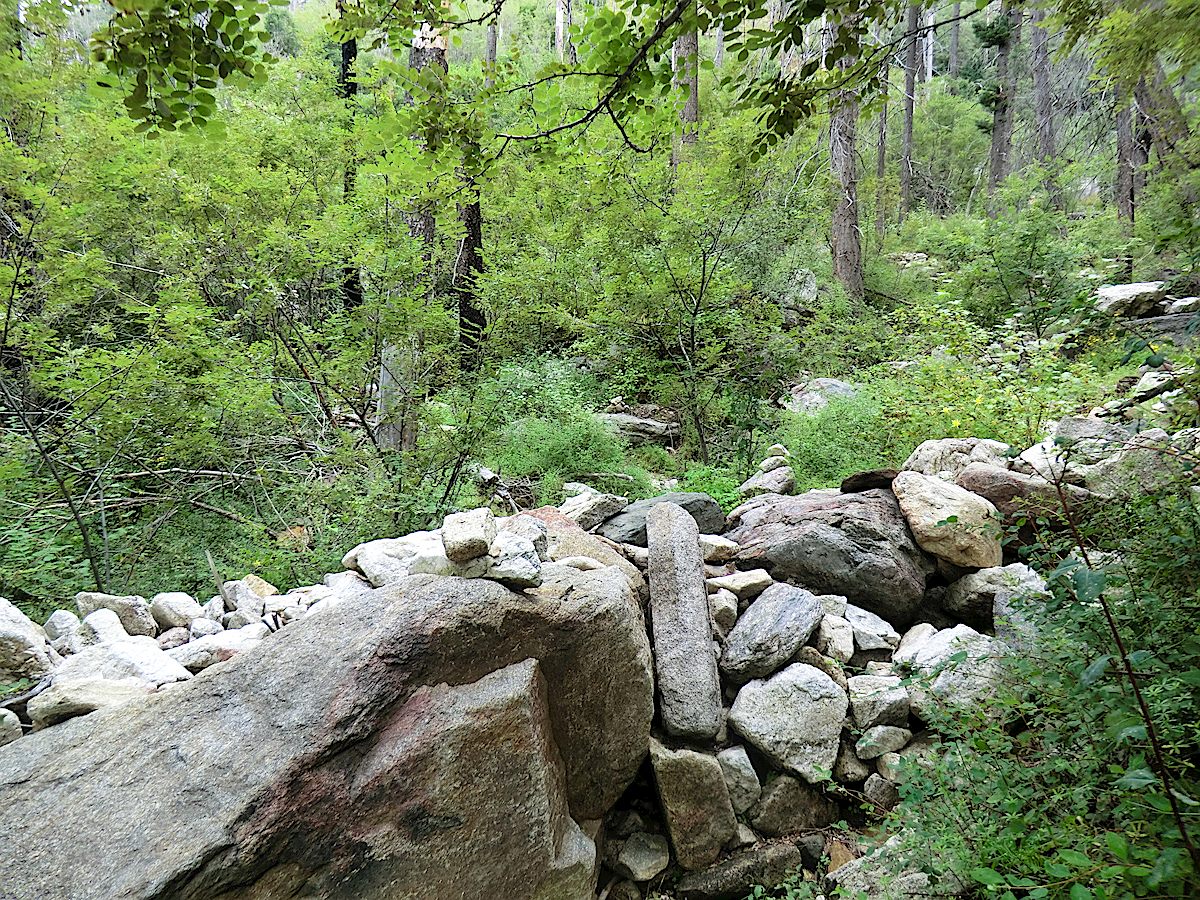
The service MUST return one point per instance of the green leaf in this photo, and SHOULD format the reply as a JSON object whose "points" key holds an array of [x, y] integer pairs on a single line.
{"points": [[989, 877], [1135, 779], [1080, 892], [1074, 857], [1095, 671]]}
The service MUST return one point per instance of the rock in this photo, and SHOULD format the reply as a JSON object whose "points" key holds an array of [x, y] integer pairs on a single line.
{"points": [[946, 458], [636, 430], [833, 604], [733, 878], [811, 657], [174, 609], [625, 890], [248, 593], [1016, 495], [100, 627], [214, 609], [743, 837], [241, 618], [814, 395], [137, 657], [567, 539], [881, 794], [874, 667], [723, 608], [643, 856], [771, 463], [64, 630], [954, 687], [1183, 305], [743, 585], [868, 481], [1131, 301], [468, 535], [972, 598], [835, 638], [532, 529], [779, 450], [10, 727], [797, 299], [880, 740], [24, 650], [133, 611], [888, 765], [878, 700], [592, 509], [78, 695], [688, 685], [214, 648], [777, 481], [870, 631], [629, 526], [203, 627], [174, 637], [463, 705], [769, 632], [740, 778], [840, 854], [970, 538], [388, 560], [716, 549], [788, 806], [853, 545], [912, 640], [695, 804], [848, 768], [794, 718], [514, 561], [885, 874]]}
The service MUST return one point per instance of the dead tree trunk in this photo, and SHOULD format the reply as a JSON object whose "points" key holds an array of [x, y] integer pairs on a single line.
{"points": [[1043, 102], [912, 21], [687, 77], [352, 290], [1002, 110]]}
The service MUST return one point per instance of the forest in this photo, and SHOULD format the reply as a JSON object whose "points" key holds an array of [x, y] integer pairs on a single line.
{"points": [[279, 279]]}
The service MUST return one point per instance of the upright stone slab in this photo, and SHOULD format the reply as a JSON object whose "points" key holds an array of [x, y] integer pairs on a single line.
{"points": [[695, 803], [684, 659]]}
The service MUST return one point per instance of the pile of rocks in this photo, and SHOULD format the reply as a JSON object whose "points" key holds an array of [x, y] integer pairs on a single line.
{"points": [[1152, 308], [774, 475]]}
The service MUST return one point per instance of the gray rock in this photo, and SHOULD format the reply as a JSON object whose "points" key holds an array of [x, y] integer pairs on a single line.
{"points": [[532, 529], [878, 700], [723, 608], [460, 741], [24, 650], [870, 631], [955, 687], [913, 639], [881, 739], [743, 585], [61, 624], [137, 657], [1016, 495], [695, 803], [685, 663], [888, 873], [637, 430], [945, 458], [643, 856], [734, 877], [881, 794], [629, 526], [769, 632], [949, 521], [833, 604], [203, 627], [591, 509], [174, 637], [249, 593], [133, 611], [743, 837], [972, 598], [10, 727], [848, 768], [794, 718], [789, 806], [716, 549], [77, 695], [853, 545], [215, 610], [888, 766], [174, 609], [388, 560], [101, 627], [468, 535], [781, 480], [740, 778], [835, 638], [214, 648], [513, 561], [1131, 300], [814, 395], [771, 463]]}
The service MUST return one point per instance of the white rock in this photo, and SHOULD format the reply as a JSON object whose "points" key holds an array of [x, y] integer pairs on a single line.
{"points": [[740, 778], [215, 610], [870, 631], [582, 563], [174, 637], [203, 626], [912, 641], [955, 686], [174, 609], [833, 604], [133, 611], [743, 585], [468, 535], [137, 657], [10, 727], [771, 463], [100, 627], [215, 648], [835, 638], [880, 740], [513, 561], [1131, 300], [947, 457], [716, 549], [63, 630], [531, 528], [878, 700], [781, 480], [79, 695], [592, 509], [949, 521], [778, 450], [248, 594], [723, 607]]}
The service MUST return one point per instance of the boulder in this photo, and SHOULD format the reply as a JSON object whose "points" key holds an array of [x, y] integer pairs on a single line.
{"points": [[789, 806], [855, 545], [1016, 495], [794, 718], [723, 608], [848, 768], [972, 598], [174, 609], [24, 650], [694, 802], [768, 634], [513, 561], [880, 740], [214, 648], [10, 727], [743, 585], [248, 593], [912, 640], [440, 721], [638, 430], [870, 631], [468, 535], [814, 395], [881, 794], [740, 778], [835, 638], [868, 481], [532, 529], [948, 521], [567, 539], [388, 560], [945, 458], [174, 637], [941, 685], [781, 480], [62, 629], [629, 526], [643, 856], [716, 549], [133, 611], [203, 627], [78, 695], [592, 508], [1131, 301], [733, 878], [771, 463], [878, 700], [686, 666], [101, 627]]}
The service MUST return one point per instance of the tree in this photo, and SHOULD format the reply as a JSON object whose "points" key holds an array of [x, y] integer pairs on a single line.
{"points": [[953, 63], [881, 160], [912, 21], [687, 77], [352, 290], [1004, 34], [1043, 101], [563, 47]]}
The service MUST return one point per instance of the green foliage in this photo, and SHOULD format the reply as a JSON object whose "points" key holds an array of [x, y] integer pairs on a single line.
{"points": [[847, 436]]}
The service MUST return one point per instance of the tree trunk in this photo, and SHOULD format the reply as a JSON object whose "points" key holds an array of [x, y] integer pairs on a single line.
{"points": [[953, 62], [719, 54], [1043, 102], [468, 264], [1002, 112], [562, 28], [1124, 183], [928, 45], [1167, 123], [687, 77], [881, 166], [845, 234], [489, 54], [912, 20], [352, 290]]}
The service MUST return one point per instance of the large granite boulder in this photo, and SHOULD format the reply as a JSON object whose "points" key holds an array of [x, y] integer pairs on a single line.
{"points": [[639, 430], [1016, 495], [629, 525], [949, 521], [24, 648], [448, 737], [947, 457], [856, 545], [695, 803], [133, 611], [777, 624], [1131, 301], [974, 597]]}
